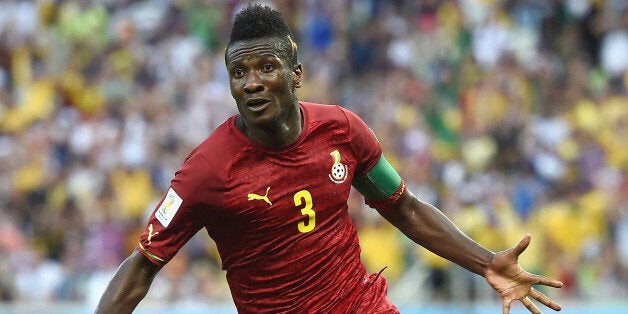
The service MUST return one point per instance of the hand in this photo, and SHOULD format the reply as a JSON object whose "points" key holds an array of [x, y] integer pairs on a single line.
{"points": [[512, 282]]}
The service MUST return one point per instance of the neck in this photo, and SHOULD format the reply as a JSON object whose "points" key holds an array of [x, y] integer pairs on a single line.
{"points": [[276, 135]]}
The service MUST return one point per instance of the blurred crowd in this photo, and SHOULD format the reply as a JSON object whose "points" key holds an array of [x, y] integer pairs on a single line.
{"points": [[509, 115]]}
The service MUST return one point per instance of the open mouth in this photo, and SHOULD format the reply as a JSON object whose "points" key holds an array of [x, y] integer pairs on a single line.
{"points": [[257, 105]]}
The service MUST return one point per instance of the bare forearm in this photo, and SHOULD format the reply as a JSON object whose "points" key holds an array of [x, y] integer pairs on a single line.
{"points": [[430, 228], [128, 286]]}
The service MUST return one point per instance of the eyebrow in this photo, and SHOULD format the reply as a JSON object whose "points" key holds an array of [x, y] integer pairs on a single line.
{"points": [[263, 55]]}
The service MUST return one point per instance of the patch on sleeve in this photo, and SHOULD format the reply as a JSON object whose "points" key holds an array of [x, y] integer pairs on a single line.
{"points": [[168, 207]]}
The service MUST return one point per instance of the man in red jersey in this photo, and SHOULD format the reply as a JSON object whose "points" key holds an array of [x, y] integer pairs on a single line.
{"points": [[270, 186]]}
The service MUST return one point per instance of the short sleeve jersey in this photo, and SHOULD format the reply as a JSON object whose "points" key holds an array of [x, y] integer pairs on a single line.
{"points": [[279, 217]]}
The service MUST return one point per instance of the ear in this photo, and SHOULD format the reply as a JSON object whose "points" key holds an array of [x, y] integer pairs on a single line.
{"points": [[297, 75]]}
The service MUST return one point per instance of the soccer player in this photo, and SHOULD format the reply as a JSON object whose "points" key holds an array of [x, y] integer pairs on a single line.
{"points": [[270, 186]]}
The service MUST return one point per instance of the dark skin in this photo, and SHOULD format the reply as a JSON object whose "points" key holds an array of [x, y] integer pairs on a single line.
{"points": [[263, 82], [430, 228], [129, 285]]}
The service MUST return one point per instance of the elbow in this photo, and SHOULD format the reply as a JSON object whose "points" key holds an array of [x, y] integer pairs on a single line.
{"points": [[122, 302], [405, 215]]}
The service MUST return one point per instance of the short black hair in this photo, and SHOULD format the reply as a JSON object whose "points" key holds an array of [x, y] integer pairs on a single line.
{"points": [[260, 21]]}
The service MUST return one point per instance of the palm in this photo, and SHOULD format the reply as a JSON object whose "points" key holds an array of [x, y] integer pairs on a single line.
{"points": [[512, 282]]}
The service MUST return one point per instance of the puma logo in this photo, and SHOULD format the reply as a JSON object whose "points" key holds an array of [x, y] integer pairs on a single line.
{"points": [[151, 234], [253, 196]]}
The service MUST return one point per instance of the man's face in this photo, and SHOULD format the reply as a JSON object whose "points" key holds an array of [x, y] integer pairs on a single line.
{"points": [[262, 80]]}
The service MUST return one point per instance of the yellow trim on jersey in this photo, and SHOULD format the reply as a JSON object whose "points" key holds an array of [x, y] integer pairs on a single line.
{"points": [[151, 255]]}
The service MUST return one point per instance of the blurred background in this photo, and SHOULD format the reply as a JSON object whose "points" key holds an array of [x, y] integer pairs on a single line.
{"points": [[511, 116]]}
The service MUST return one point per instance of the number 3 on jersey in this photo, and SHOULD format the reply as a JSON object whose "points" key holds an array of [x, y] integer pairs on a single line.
{"points": [[304, 197]]}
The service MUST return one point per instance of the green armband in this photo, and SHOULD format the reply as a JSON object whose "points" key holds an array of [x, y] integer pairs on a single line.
{"points": [[381, 182]]}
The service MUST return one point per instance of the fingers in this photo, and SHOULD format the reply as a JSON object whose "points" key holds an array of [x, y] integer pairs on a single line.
{"points": [[523, 244], [539, 296], [506, 307], [549, 281], [530, 306]]}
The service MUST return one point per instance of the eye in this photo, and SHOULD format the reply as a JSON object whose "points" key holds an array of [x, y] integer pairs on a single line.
{"points": [[237, 73], [267, 67]]}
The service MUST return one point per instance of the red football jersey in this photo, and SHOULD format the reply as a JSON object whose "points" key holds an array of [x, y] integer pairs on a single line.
{"points": [[279, 217]]}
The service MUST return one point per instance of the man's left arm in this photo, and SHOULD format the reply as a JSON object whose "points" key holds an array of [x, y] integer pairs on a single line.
{"points": [[424, 224], [430, 228]]}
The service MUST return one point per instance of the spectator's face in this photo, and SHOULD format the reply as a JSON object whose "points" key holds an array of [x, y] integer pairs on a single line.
{"points": [[263, 81]]}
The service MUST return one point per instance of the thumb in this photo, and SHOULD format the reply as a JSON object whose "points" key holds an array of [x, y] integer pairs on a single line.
{"points": [[522, 246]]}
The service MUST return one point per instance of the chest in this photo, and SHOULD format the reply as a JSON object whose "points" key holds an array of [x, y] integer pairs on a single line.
{"points": [[292, 192]]}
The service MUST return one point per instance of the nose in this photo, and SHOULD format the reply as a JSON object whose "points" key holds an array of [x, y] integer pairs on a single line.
{"points": [[253, 84]]}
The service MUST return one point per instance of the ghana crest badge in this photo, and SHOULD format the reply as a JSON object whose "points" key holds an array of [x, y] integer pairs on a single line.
{"points": [[339, 170]]}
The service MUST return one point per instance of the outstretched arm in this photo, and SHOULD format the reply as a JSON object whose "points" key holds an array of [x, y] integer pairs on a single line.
{"points": [[427, 226], [430, 228], [128, 286]]}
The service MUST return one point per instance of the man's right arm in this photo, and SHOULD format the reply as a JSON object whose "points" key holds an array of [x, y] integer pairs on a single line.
{"points": [[129, 285]]}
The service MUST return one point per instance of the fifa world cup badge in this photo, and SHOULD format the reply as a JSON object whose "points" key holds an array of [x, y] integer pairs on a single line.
{"points": [[339, 170]]}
